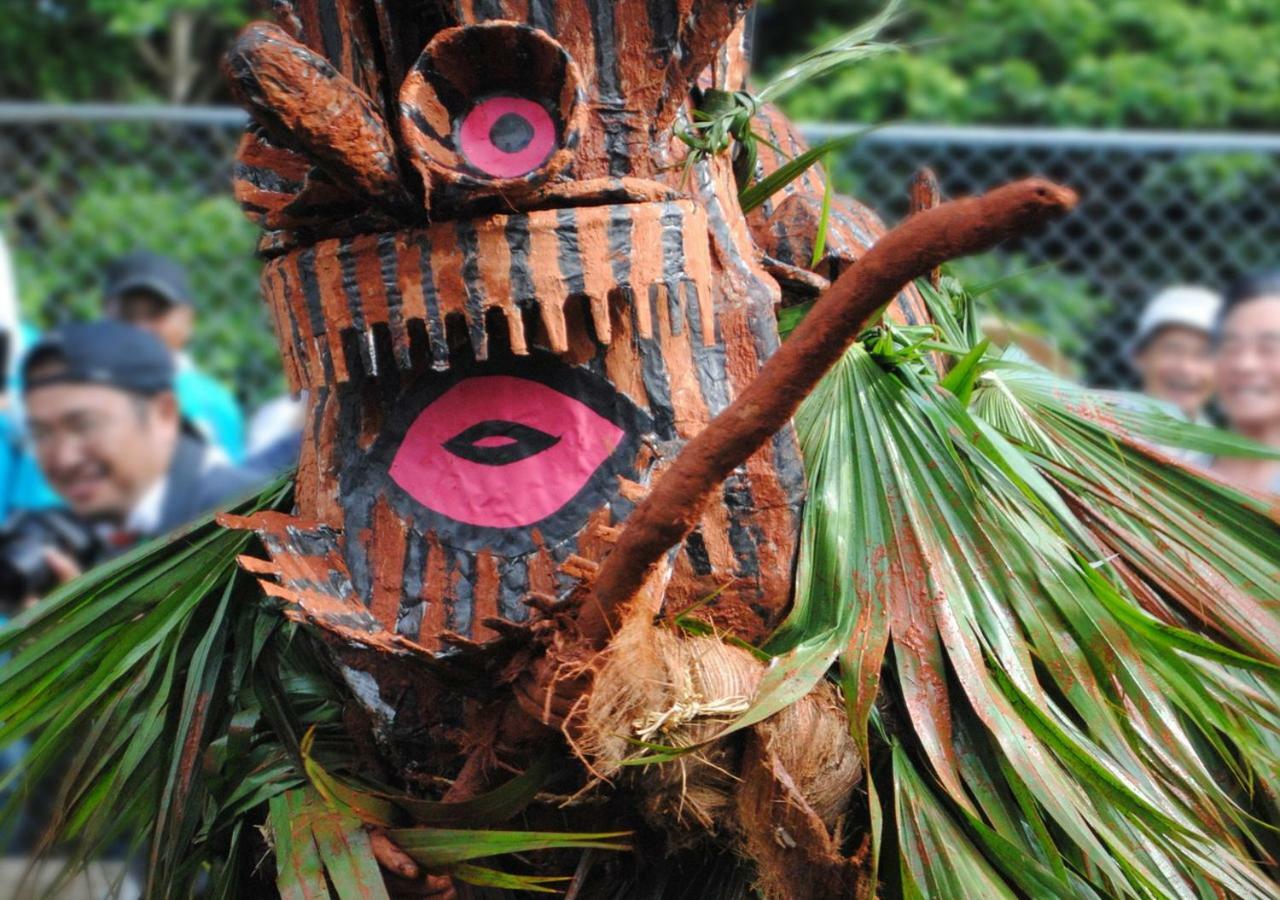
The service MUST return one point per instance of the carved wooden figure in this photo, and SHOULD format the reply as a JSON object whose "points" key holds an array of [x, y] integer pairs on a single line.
{"points": [[513, 301]]}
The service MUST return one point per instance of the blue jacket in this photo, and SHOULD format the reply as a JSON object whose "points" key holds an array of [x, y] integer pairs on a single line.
{"points": [[211, 408]]}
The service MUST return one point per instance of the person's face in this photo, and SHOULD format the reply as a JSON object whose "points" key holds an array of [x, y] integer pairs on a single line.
{"points": [[100, 448], [1176, 365], [1249, 365], [171, 322]]}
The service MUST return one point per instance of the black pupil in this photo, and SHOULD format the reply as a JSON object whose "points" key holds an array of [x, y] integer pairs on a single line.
{"points": [[521, 442], [511, 133]]}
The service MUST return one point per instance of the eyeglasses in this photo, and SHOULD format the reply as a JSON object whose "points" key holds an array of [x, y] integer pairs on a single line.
{"points": [[82, 428]]}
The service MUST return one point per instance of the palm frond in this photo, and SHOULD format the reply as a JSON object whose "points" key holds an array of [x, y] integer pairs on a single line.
{"points": [[758, 191], [1026, 588], [135, 687], [852, 46]]}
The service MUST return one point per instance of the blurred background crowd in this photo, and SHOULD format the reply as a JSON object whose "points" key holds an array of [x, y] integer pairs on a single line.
{"points": [[143, 383]]}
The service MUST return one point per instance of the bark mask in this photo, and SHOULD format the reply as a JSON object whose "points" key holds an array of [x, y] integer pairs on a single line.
{"points": [[510, 302]]}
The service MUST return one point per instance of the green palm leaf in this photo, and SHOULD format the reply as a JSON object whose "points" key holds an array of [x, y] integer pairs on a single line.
{"points": [[1024, 587]]}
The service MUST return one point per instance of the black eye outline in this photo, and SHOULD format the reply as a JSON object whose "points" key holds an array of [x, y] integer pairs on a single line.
{"points": [[525, 442], [365, 479]]}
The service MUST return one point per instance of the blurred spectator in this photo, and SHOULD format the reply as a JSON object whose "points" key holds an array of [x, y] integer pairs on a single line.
{"points": [[153, 292], [104, 423], [275, 435], [21, 486], [1248, 364], [1173, 348]]}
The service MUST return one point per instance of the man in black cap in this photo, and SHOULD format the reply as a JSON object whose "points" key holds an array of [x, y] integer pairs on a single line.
{"points": [[152, 292], [107, 433]]}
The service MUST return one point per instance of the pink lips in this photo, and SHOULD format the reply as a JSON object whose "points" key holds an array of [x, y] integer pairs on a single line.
{"points": [[502, 452]]}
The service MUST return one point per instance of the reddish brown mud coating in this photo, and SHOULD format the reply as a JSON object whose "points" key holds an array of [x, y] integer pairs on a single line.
{"points": [[926, 240], [302, 100], [618, 264]]}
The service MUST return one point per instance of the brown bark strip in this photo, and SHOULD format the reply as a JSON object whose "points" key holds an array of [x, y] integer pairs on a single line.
{"points": [[301, 99], [949, 231], [387, 551], [926, 194]]}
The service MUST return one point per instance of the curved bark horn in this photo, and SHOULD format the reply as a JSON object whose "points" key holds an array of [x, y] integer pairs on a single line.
{"points": [[917, 246]]}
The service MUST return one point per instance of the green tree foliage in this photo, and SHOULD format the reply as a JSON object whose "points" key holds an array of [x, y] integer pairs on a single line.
{"points": [[69, 239], [1209, 64], [122, 50]]}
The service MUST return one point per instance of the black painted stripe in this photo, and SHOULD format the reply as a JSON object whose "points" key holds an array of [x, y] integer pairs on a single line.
{"points": [[614, 114], [742, 538], [331, 32], [695, 548], [460, 570], [518, 246], [718, 223], [358, 517], [469, 246], [855, 228], [489, 9], [621, 226], [389, 266], [542, 14], [902, 303], [664, 25], [315, 310], [412, 603], [673, 261], [789, 465], [653, 368], [321, 402], [709, 362], [570, 254], [351, 289], [435, 323], [617, 128], [513, 580], [265, 179], [420, 122], [285, 296]]}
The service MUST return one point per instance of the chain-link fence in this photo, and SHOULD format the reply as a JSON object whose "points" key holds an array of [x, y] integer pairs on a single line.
{"points": [[1156, 209], [79, 185]]}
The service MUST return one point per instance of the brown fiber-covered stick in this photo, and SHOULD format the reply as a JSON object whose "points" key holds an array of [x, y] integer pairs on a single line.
{"points": [[918, 245]]}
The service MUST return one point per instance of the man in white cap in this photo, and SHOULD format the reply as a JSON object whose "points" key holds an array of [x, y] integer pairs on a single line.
{"points": [[1173, 347]]}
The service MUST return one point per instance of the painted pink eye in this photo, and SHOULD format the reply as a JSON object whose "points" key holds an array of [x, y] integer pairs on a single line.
{"points": [[501, 451], [507, 137]]}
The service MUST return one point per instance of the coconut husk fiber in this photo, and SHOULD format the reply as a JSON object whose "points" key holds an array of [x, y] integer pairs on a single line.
{"points": [[656, 685]]}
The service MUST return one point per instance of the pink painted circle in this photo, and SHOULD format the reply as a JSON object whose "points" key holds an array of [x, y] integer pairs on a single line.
{"points": [[502, 452], [507, 137]]}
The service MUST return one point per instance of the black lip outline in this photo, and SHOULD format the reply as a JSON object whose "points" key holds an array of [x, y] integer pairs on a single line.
{"points": [[368, 478], [526, 442]]}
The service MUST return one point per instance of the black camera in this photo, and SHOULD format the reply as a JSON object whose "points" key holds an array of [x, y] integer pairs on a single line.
{"points": [[24, 571]]}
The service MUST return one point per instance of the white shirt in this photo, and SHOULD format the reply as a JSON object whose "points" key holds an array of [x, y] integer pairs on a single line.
{"points": [[144, 518]]}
